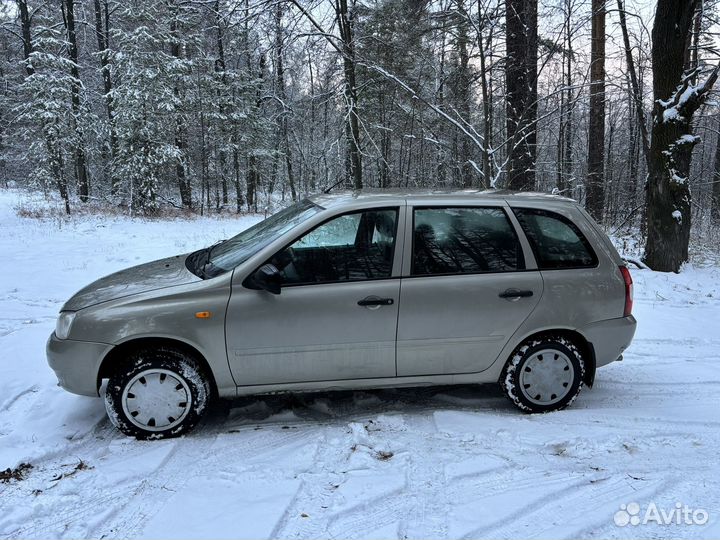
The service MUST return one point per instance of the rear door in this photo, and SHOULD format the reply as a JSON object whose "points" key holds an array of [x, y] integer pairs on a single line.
{"points": [[469, 281]]}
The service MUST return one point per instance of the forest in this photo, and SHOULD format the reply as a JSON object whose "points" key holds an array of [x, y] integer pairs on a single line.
{"points": [[241, 105]]}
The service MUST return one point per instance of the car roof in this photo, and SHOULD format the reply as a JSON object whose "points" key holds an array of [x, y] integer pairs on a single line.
{"points": [[394, 196]]}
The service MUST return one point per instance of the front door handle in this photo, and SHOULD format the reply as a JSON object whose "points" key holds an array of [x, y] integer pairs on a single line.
{"points": [[374, 301], [513, 294]]}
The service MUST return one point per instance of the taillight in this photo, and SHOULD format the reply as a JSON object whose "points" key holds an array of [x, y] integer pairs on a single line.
{"points": [[627, 278]]}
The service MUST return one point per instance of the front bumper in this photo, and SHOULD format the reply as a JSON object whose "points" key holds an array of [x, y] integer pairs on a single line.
{"points": [[76, 363], [610, 338]]}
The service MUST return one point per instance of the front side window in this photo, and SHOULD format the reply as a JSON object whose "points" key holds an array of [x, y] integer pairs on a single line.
{"points": [[464, 241], [351, 247], [224, 257], [555, 240]]}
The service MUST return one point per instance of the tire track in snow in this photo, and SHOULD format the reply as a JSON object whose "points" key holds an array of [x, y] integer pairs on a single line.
{"points": [[316, 493], [58, 518], [14, 399], [622, 423], [525, 519], [372, 514], [71, 514], [604, 526], [427, 515], [56, 513], [212, 447], [187, 457]]}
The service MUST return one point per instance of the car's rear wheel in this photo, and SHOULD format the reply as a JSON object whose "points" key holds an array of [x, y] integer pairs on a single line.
{"points": [[544, 374], [157, 393]]}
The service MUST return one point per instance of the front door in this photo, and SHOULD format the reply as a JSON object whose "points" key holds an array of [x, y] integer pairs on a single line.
{"points": [[336, 315], [467, 292]]}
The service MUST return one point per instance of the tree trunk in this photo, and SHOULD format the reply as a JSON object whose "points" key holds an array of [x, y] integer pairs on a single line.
{"points": [[676, 100], [280, 81], [25, 24], [715, 208], [521, 76], [102, 31], [595, 190], [692, 53], [251, 183], [633, 149], [183, 182], [441, 167], [311, 145], [715, 203], [204, 166], [220, 69], [461, 91], [484, 86], [239, 199], [253, 173], [565, 136], [81, 170], [385, 149], [353, 160], [611, 199], [57, 165]]}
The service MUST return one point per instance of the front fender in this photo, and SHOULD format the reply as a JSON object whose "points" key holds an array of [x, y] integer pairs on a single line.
{"points": [[166, 314]]}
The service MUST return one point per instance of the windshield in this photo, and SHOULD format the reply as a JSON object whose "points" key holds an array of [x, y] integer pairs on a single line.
{"points": [[223, 257]]}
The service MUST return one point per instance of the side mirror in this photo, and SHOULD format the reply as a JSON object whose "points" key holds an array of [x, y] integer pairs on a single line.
{"points": [[268, 278]]}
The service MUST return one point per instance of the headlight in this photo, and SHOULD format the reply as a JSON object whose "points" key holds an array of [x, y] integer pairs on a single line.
{"points": [[64, 322]]}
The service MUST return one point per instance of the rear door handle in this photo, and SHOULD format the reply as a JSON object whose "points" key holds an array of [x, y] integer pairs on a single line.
{"points": [[515, 293], [371, 301]]}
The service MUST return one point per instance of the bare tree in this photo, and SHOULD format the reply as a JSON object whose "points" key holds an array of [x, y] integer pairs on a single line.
{"points": [[485, 35], [565, 134]]}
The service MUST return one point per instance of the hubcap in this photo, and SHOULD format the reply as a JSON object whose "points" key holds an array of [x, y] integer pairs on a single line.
{"points": [[156, 400], [546, 377]]}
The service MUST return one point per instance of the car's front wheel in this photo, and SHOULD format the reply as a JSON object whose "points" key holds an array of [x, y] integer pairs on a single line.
{"points": [[157, 393], [544, 374]]}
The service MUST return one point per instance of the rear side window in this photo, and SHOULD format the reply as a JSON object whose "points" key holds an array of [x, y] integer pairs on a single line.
{"points": [[555, 240], [464, 241]]}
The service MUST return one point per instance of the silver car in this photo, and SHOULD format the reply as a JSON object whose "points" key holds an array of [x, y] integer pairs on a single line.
{"points": [[356, 290]]}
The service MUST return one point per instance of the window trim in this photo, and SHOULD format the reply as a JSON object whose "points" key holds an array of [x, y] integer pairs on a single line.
{"points": [[510, 223], [397, 209], [567, 221]]}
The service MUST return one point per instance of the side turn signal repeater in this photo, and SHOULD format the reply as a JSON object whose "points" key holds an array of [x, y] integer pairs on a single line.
{"points": [[203, 315]]}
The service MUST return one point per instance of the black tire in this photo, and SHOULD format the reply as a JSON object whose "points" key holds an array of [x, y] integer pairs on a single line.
{"points": [[191, 391], [562, 349]]}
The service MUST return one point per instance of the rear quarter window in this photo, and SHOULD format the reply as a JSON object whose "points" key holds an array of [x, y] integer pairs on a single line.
{"points": [[555, 240]]}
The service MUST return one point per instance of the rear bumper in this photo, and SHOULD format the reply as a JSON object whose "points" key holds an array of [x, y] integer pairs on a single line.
{"points": [[76, 363], [610, 338]]}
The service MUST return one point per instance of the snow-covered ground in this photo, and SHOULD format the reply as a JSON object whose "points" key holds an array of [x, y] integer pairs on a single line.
{"points": [[415, 463]]}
